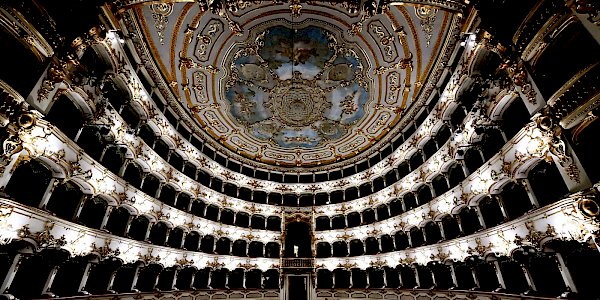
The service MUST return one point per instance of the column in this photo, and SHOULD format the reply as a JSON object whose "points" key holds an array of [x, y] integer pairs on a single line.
{"points": [[440, 224], [416, 271], [565, 273], [528, 277], [111, 280], [244, 279], [403, 204], [499, 275], [501, 205], [167, 236], [106, 216], [262, 280], [209, 279], [175, 273], [136, 274], [124, 167], [158, 190], [156, 280], [84, 278], [49, 281], [150, 224], [464, 168], [193, 279], [183, 236], [333, 280], [368, 281], [432, 276], [227, 280], [453, 275], [400, 279], [143, 179], [84, 198], [460, 226], [529, 190], [351, 281], [345, 221], [10, 274], [103, 153], [176, 198], [480, 217], [475, 278], [51, 186]]}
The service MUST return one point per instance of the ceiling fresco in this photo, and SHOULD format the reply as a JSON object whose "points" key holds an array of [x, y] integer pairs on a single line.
{"points": [[296, 87], [279, 86]]}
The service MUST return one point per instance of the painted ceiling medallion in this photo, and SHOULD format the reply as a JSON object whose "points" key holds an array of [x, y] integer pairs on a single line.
{"points": [[293, 87], [296, 87]]}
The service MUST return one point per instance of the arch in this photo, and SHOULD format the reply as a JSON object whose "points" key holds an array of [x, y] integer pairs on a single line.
{"points": [[272, 250], [322, 223], [401, 240], [256, 249], [239, 248], [323, 250], [176, 236], [93, 211], [223, 246], [340, 249], [29, 182], [67, 113], [192, 241], [65, 199], [371, 245], [207, 244], [140, 225], [159, 232], [298, 239], [356, 248]]}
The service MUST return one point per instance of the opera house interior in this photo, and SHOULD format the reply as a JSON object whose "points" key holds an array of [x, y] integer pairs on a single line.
{"points": [[299, 149]]}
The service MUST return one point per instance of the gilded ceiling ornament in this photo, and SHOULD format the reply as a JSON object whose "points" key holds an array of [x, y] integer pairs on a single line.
{"points": [[427, 16], [295, 8], [160, 14], [376, 29]]}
